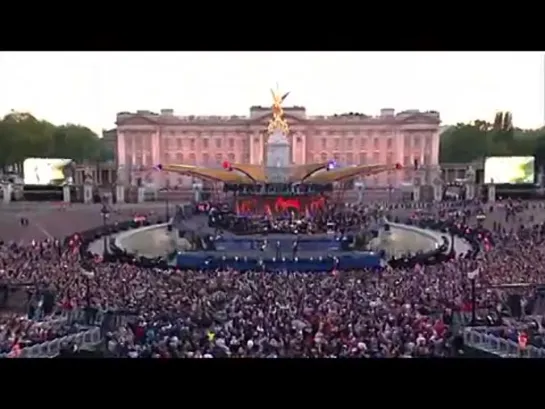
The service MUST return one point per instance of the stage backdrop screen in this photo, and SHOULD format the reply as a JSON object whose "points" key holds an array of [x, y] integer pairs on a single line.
{"points": [[509, 170], [47, 171]]}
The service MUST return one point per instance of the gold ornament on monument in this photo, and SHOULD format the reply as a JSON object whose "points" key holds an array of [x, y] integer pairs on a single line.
{"points": [[278, 123]]}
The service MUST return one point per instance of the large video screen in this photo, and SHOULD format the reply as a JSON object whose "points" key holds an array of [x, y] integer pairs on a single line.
{"points": [[509, 169], [48, 171]]}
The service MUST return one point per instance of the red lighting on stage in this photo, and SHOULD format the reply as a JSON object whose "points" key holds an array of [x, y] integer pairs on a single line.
{"points": [[399, 166], [226, 165], [280, 205]]}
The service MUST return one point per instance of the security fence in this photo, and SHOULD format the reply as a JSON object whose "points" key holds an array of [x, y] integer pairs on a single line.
{"points": [[501, 347]]}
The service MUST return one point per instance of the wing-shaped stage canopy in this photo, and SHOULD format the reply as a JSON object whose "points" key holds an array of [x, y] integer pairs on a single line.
{"points": [[218, 175], [337, 175], [254, 172], [299, 173], [313, 173], [258, 173]]}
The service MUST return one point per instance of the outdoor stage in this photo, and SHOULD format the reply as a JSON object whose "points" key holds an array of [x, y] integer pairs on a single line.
{"points": [[315, 253], [313, 261]]}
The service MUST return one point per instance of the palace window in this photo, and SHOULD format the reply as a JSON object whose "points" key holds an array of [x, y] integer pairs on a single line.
{"points": [[407, 141], [390, 158], [363, 158], [205, 143]]}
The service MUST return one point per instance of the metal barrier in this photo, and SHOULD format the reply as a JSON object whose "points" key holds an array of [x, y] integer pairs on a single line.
{"points": [[51, 349], [504, 348], [68, 317]]}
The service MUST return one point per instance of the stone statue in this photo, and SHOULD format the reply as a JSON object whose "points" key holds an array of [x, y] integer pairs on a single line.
{"points": [[470, 174], [87, 177]]}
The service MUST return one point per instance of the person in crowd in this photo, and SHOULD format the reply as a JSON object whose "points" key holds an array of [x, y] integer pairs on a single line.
{"points": [[409, 310]]}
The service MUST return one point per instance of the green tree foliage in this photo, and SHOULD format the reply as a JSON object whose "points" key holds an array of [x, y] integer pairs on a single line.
{"points": [[464, 143], [24, 136]]}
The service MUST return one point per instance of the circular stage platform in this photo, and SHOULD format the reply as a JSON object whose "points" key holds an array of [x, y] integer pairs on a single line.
{"points": [[317, 252]]}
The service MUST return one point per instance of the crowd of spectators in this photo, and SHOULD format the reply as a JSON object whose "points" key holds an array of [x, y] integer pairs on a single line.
{"points": [[407, 310]]}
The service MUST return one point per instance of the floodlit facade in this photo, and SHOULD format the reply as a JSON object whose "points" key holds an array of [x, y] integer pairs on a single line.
{"points": [[145, 139]]}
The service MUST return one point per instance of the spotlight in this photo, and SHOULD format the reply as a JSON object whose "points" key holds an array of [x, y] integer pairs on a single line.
{"points": [[332, 164]]}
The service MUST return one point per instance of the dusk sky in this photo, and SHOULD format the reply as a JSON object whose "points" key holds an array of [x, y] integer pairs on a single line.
{"points": [[90, 88]]}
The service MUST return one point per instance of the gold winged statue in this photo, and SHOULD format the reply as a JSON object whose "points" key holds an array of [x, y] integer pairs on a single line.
{"points": [[278, 122]]}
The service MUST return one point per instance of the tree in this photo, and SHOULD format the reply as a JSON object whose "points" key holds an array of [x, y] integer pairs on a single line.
{"points": [[23, 136]]}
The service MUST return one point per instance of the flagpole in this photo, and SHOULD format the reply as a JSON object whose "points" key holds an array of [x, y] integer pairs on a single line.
{"points": [[473, 303], [472, 275]]}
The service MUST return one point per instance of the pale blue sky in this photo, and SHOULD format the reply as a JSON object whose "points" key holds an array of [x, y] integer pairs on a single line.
{"points": [[90, 88]]}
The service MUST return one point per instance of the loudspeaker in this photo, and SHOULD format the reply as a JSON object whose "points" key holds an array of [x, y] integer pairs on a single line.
{"points": [[49, 302], [513, 301], [346, 242]]}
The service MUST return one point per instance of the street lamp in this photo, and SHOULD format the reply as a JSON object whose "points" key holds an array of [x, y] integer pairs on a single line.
{"points": [[472, 275], [105, 215], [89, 318], [167, 212]]}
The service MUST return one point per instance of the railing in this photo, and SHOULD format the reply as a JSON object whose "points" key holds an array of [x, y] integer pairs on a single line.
{"points": [[51, 349], [504, 348]]}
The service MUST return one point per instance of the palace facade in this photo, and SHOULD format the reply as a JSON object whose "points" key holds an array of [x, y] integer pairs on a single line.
{"points": [[145, 139]]}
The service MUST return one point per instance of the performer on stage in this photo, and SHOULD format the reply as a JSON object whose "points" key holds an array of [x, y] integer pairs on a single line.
{"points": [[295, 247], [264, 244]]}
